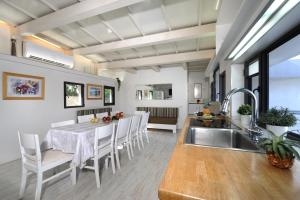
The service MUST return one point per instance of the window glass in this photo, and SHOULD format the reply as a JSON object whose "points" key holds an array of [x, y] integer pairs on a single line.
{"points": [[109, 95], [284, 77], [74, 95], [253, 68]]}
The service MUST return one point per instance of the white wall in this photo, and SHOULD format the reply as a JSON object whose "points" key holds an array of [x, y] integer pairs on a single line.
{"points": [[35, 116], [176, 76], [197, 77], [5, 39], [236, 81]]}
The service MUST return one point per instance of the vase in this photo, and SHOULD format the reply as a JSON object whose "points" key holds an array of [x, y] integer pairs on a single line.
{"points": [[280, 163], [277, 130], [245, 120]]}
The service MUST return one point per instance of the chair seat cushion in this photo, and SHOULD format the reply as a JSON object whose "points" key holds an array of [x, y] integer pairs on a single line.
{"points": [[163, 120], [52, 158]]}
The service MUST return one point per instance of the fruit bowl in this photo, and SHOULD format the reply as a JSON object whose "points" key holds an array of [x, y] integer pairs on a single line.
{"points": [[106, 119]]}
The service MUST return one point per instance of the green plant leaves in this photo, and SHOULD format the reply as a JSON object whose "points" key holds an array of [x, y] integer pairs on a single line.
{"points": [[245, 109], [278, 117]]}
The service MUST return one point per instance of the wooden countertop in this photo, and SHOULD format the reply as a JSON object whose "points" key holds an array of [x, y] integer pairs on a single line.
{"points": [[210, 173]]}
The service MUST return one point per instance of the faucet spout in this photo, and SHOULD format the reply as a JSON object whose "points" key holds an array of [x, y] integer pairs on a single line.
{"points": [[225, 104]]}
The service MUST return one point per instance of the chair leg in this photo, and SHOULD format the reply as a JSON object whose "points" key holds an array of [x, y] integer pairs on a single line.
{"points": [[106, 162], [73, 173], [117, 158], [131, 149], [23, 183], [128, 150], [138, 142], [141, 139], [96, 166], [147, 137], [112, 158], [39, 185]]}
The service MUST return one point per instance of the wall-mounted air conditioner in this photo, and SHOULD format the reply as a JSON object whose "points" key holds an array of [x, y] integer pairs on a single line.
{"points": [[43, 54]]}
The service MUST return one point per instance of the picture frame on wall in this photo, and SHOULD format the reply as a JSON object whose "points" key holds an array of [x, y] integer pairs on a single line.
{"points": [[22, 87], [94, 92]]}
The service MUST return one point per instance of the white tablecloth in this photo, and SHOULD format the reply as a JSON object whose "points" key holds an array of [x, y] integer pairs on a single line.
{"points": [[76, 138]]}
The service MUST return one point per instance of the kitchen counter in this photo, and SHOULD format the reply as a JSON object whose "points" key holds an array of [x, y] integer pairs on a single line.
{"points": [[196, 172]]}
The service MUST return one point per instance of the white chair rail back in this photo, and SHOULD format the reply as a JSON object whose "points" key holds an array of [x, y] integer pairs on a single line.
{"points": [[123, 127], [144, 121], [101, 115], [85, 118], [63, 123], [137, 112], [103, 132], [136, 119], [30, 149]]}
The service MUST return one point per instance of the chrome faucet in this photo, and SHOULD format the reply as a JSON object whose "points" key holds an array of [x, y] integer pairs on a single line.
{"points": [[254, 131]]}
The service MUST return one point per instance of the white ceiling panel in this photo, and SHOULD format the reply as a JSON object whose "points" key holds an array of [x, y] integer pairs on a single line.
{"points": [[99, 30], [207, 43], [112, 56], [166, 48], [96, 58], [149, 15], [12, 14], [61, 3], [122, 23], [187, 45], [75, 32], [35, 7], [128, 53], [181, 13], [146, 51], [208, 11], [55, 35]]}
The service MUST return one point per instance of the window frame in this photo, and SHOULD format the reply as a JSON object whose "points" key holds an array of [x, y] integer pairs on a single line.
{"points": [[113, 95], [65, 94]]}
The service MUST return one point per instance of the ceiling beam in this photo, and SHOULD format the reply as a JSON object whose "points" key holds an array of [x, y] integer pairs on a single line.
{"points": [[75, 12], [131, 71], [20, 9], [111, 28], [185, 66], [162, 59], [148, 40], [164, 12], [135, 22], [155, 68]]}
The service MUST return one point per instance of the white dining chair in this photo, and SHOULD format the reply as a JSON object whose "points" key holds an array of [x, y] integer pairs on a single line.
{"points": [[85, 118], [138, 112], [63, 123], [122, 138], [35, 161], [134, 132], [103, 146], [143, 127], [101, 115]]}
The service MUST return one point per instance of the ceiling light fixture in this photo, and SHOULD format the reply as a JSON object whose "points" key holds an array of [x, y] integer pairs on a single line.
{"points": [[269, 12], [36, 37], [109, 30], [274, 19], [217, 4]]}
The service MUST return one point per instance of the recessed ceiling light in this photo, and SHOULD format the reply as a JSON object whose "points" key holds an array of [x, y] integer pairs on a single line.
{"points": [[109, 30], [275, 18]]}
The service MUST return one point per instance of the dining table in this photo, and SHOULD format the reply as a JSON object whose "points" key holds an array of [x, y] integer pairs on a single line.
{"points": [[77, 139]]}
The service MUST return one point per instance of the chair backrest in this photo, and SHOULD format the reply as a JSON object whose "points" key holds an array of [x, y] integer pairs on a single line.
{"points": [[144, 121], [123, 127], [101, 115], [135, 122], [85, 118], [113, 113], [30, 149], [137, 112], [64, 123], [103, 132]]}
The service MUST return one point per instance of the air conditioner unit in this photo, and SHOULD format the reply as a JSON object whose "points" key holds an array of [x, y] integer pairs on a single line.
{"points": [[43, 54]]}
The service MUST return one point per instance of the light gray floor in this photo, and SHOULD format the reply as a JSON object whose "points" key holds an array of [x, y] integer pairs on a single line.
{"points": [[138, 179]]}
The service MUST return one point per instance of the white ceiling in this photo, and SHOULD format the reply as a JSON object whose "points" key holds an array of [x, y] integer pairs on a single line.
{"points": [[137, 20]]}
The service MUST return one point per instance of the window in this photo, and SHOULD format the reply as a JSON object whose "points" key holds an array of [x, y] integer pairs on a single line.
{"points": [[252, 79], [222, 86], [109, 96], [73, 95]]}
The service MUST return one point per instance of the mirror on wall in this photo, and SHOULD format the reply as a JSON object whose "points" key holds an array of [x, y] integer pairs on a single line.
{"points": [[154, 92], [197, 90]]}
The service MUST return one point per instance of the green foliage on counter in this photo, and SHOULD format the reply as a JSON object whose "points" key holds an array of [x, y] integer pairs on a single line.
{"points": [[278, 117], [245, 109]]}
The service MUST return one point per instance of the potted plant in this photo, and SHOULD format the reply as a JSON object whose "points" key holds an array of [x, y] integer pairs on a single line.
{"points": [[278, 120], [280, 152], [245, 113]]}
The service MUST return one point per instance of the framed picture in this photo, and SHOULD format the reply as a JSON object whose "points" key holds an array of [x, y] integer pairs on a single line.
{"points": [[22, 87], [93, 91], [109, 96], [73, 95]]}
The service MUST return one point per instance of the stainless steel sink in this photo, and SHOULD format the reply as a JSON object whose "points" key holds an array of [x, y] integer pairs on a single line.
{"points": [[221, 138]]}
